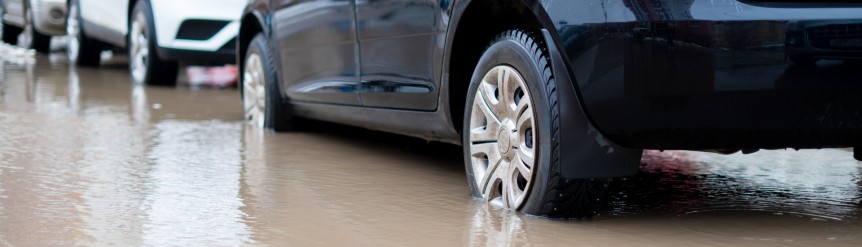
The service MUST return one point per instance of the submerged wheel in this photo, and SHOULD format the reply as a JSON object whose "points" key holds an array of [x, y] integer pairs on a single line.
{"points": [[501, 137], [145, 66], [80, 49], [262, 104], [511, 133], [7, 32], [32, 39]]}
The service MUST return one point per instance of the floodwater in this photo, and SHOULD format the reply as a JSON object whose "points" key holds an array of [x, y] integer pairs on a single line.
{"points": [[87, 158]]}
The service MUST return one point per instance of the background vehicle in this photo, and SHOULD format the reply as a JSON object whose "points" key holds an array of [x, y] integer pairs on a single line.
{"points": [[156, 33], [550, 98], [809, 41], [34, 20]]}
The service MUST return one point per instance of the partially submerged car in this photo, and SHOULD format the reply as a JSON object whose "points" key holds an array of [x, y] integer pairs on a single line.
{"points": [[550, 99], [157, 34], [32, 22]]}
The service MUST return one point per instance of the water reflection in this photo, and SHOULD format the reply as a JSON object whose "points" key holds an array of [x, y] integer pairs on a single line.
{"points": [[140, 108], [808, 41], [88, 160], [67, 180], [23, 88], [493, 226], [192, 195], [303, 187], [74, 90], [819, 182], [83, 163]]}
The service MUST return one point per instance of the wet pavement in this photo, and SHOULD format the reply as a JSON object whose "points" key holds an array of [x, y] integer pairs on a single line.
{"points": [[87, 158]]}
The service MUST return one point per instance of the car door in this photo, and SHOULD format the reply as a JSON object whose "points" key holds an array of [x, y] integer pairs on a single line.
{"points": [[317, 50], [106, 20], [401, 44]]}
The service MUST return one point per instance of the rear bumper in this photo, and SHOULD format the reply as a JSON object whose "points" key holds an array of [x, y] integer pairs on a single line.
{"points": [[50, 17], [800, 117], [690, 97], [717, 83]]}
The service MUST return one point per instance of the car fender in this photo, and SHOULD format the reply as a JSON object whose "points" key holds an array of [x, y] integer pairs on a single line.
{"points": [[586, 152], [259, 12]]}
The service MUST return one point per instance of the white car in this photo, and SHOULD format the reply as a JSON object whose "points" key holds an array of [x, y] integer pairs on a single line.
{"points": [[31, 23], [156, 33]]}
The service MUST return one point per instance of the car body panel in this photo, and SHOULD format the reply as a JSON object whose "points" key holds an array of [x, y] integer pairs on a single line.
{"points": [[316, 44], [107, 21], [401, 52], [632, 74], [698, 74], [111, 17], [14, 12], [44, 22]]}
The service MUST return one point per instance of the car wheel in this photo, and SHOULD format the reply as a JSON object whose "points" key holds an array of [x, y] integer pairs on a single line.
{"points": [[80, 49], [9, 33], [32, 39], [145, 66], [511, 134], [262, 102]]}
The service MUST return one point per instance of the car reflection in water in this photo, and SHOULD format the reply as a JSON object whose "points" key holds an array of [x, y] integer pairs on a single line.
{"points": [[809, 41]]}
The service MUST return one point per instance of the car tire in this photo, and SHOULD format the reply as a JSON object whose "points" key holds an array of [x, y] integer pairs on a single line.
{"points": [[857, 153], [9, 33], [80, 48], [145, 66], [520, 113], [34, 39], [263, 105]]}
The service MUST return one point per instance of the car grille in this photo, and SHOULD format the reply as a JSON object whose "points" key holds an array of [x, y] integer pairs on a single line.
{"points": [[200, 29], [229, 47], [822, 36]]}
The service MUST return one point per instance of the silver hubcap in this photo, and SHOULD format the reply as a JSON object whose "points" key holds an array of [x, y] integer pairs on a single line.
{"points": [[139, 52], [254, 91], [72, 32], [502, 140]]}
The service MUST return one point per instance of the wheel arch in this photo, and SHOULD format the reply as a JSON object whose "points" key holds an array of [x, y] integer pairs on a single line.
{"points": [[131, 8], [250, 25], [473, 26], [589, 154]]}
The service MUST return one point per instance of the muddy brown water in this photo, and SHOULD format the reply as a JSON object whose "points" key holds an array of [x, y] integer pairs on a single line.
{"points": [[87, 158]]}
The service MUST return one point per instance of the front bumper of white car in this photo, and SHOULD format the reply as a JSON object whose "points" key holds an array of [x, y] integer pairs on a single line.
{"points": [[197, 30]]}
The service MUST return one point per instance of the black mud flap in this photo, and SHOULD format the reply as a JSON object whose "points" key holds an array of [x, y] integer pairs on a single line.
{"points": [[585, 152]]}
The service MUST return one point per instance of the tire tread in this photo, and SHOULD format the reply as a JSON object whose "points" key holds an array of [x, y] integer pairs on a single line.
{"points": [[565, 198], [277, 116], [159, 71], [89, 50]]}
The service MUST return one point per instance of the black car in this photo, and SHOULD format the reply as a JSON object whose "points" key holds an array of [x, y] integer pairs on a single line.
{"points": [[550, 99]]}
